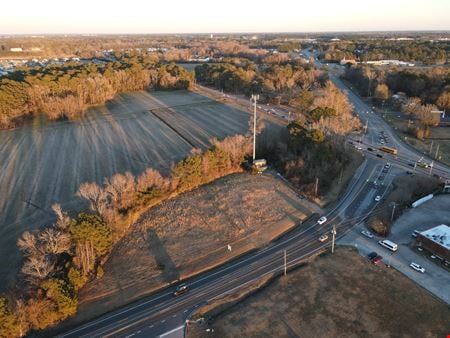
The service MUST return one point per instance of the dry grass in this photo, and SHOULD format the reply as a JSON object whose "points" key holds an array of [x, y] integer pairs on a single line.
{"points": [[189, 233], [339, 295]]}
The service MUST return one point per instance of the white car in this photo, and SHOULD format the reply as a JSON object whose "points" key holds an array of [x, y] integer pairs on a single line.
{"points": [[417, 267], [367, 233], [323, 238], [378, 198], [322, 220]]}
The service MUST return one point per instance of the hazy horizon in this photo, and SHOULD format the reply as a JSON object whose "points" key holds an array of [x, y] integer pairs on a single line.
{"points": [[47, 17]]}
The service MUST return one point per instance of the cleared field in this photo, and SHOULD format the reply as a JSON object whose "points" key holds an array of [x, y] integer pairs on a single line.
{"points": [[190, 233], [44, 163], [340, 295]]}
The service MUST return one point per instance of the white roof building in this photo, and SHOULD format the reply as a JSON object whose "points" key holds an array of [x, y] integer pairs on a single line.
{"points": [[439, 235]]}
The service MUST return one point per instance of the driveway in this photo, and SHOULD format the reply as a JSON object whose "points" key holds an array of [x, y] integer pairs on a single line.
{"points": [[436, 279]]}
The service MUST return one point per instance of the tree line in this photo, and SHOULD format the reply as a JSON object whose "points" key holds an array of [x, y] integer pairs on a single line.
{"points": [[274, 80], [422, 91], [425, 52], [66, 91], [62, 257]]}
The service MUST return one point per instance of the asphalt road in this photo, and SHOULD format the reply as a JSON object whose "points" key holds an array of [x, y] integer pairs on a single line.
{"points": [[164, 315]]}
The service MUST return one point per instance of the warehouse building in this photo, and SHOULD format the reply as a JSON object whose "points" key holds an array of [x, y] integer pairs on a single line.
{"points": [[436, 240]]}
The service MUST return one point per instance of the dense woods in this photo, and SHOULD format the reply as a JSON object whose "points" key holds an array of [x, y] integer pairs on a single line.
{"points": [[64, 92], [425, 52], [419, 91], [280, 82]]}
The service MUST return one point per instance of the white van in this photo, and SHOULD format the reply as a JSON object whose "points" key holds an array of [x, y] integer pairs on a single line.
{"points": [[388, 245]]}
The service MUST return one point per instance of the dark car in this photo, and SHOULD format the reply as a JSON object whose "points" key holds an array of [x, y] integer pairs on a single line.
{"points": [[377, 260], [372, 255], [379, 155], [370, 149], [182, 288], [409, 173]]}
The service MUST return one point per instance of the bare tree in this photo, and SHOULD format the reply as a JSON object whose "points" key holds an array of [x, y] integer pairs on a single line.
{"points": [[121, 190], [55, 241], [21, 312], [95, 195], [28, 243], [37, 267], [63, 219], [151, 178]]}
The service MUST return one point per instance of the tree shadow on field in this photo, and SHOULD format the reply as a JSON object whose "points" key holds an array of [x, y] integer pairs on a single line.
{"points": [[162, 257]]}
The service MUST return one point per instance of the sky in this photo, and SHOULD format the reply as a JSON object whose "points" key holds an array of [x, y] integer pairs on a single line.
{"points": [[209, 16]]}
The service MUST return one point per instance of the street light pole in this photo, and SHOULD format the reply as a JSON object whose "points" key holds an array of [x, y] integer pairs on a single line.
{"points": [[254, 99], [285, 265]]}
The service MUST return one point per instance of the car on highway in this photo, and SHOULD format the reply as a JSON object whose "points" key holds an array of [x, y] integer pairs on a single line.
{"points": [[370, 149], [323, 238], [409, 173], [417, 267], [322, 220], [379, 155], [366, 233], [377, 198], [182, 288], [372, 255]]}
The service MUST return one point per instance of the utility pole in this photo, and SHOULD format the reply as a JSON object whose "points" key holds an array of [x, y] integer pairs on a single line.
{"points": [[316, 188], [254, 99], [431, 146], [285, 264], [437, 151], [333, 232]]}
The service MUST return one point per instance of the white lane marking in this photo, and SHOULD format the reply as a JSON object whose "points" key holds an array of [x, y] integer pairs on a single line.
{"points": [[130, 335], [163, 321], [174, 316], [172, 331]]}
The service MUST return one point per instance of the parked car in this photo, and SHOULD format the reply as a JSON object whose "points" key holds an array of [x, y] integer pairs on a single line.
{"points": [[377, 260], [322, 220], [372, 255], [367, 233], [182, 288], [323, 238], [417, 267], [377, 198]]}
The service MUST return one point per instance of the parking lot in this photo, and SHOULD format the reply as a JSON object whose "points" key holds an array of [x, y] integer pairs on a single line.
{"points": [[432, 213]]}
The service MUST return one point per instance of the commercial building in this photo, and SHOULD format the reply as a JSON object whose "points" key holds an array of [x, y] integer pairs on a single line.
{"points": [[436, 240]]}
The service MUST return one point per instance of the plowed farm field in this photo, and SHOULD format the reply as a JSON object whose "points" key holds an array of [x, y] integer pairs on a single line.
{"points": [[42, 162]]}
